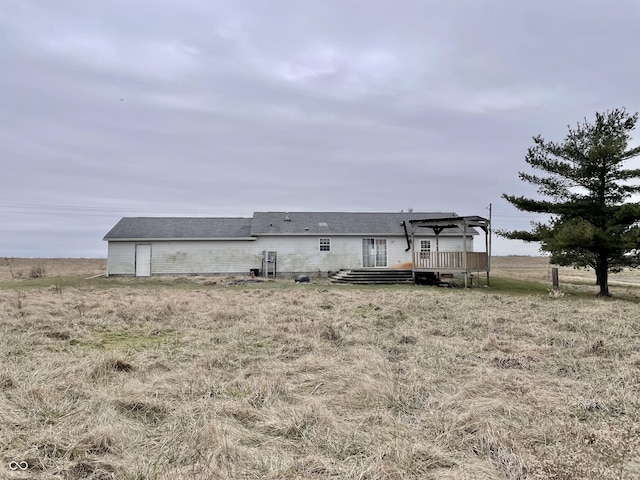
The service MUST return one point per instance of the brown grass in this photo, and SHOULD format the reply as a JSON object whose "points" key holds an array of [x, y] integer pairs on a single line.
{"points": [[539, 268], [285, 381], [21, 268]]}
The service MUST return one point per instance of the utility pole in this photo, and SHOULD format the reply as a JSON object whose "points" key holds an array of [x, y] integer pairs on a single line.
{"points": [[489, 249]]}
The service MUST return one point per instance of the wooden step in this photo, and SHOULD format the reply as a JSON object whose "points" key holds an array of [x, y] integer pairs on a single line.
{"points": [[373, 276]]}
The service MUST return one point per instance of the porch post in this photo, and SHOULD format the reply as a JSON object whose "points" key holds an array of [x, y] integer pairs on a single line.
{"points": [[487, 246], [413, 255], [487, 236], [464, 242]]}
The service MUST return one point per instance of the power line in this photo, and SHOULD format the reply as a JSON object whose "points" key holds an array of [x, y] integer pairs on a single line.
{"points": [[110, 211], [49, 209], [83, 207]]}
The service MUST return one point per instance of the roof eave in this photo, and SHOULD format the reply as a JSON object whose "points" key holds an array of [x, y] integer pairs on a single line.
{"points": [[176, 239], [362, 234]]}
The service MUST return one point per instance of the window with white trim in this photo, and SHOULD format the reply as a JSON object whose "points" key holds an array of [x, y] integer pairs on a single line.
{"points": [[325, 244], [425, 246]]}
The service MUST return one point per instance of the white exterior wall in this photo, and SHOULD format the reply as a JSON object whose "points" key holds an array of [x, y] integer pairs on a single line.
{"points": [[449, 244], [303, 255], [205, 257], [121, 258], [187, 257], [299, 254]]}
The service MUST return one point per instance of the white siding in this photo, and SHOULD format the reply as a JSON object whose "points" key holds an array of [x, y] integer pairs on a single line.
{"points": [[299, 254], [121, 258], [302, 254], [449, 244], [187, 257], [204, 257]]}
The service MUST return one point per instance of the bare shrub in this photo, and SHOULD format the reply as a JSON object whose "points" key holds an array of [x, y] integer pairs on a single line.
{"points": [[38, 271], [7, 262]]}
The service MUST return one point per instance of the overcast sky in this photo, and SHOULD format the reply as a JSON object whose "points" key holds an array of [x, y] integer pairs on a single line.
{"points": [[225, 107]]}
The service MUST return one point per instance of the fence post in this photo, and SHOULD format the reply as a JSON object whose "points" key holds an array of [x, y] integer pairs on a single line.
{"points": [[554, 279]]}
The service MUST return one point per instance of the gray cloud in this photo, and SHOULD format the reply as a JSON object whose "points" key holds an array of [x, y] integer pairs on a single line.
{"points": [[222, 108]]}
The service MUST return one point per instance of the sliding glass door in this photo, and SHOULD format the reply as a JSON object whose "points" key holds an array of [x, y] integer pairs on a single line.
{"points": [[374, 252]]}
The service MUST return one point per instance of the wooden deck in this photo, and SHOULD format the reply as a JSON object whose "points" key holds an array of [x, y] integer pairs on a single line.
{"points": [[450, 262], [438, 263]]}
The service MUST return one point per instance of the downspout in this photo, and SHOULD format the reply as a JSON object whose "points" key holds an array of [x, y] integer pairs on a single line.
{"points": [[406, 235], [410, 247]]}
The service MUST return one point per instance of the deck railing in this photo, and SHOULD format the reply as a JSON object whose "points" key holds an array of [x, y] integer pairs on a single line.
{"points": [[451, 261]]}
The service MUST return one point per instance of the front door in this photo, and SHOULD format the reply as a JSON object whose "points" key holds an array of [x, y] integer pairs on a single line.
{"points": [[374, 252], [143, 260]]}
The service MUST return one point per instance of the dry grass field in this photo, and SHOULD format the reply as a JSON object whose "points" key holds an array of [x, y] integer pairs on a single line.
{"points": [[23, 268], [539, 269], [192, 378]]}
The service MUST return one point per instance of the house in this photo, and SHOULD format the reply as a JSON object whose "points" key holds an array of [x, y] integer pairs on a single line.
{"points": [[287, 243]]}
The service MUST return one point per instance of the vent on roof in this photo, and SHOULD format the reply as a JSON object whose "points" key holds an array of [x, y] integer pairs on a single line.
{"points": [[286, 218], [323, 224]]}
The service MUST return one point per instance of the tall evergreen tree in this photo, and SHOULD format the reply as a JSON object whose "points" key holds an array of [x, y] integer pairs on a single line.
{"points": [[586, 191]]}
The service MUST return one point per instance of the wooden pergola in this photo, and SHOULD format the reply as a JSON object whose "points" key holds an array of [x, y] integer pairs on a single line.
{"points": [[465, 261]]}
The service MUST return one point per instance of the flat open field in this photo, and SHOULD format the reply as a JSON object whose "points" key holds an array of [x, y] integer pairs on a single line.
{"points": [[192, 379], [22, 268], [517, 267], [538, 268]]}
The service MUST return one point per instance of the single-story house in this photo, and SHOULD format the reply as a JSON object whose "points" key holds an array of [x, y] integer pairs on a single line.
{"points": [[285, 243]]}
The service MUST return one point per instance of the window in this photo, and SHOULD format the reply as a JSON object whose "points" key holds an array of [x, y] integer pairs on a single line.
{"points": [[425, 250], [325, 244]]}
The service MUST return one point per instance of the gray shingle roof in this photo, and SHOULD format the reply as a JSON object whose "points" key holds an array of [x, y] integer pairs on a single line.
{"points": [[179, 227], [337, 223], [272, 223]]}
